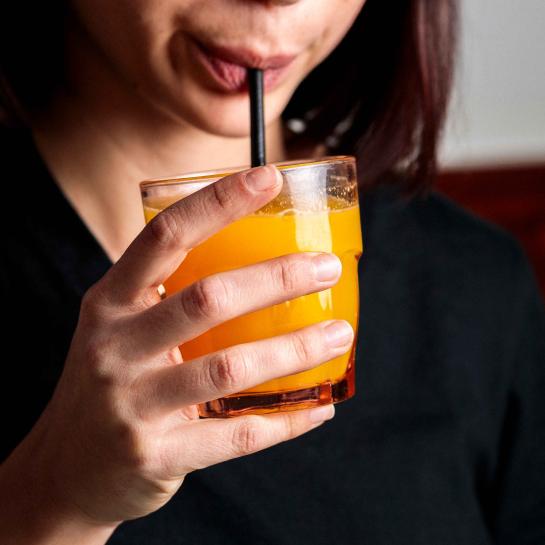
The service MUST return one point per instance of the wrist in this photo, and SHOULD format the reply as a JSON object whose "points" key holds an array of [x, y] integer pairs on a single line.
{"points": [[32, 509]]}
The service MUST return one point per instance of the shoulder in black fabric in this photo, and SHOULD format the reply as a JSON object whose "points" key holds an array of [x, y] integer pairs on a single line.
{"points": [[49, 260]]}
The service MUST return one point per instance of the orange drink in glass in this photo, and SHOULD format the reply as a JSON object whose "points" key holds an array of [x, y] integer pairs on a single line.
{"points": [[317, 210]]}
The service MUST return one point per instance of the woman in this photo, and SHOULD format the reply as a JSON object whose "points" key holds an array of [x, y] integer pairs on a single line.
{"points": [[443, 442]]}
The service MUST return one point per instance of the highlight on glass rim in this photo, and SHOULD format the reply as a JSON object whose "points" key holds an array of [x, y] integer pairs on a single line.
{"points": [[279, 275]]}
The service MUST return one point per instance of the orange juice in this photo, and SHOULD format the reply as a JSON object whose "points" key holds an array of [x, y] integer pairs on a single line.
{"points": [[262, 235]]}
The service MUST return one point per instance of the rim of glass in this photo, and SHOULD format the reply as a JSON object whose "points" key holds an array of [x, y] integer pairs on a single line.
{"points": [[192, 177]]}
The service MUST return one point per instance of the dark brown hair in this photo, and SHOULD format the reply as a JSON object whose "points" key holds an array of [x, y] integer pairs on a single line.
{"points": [[381, 95]]}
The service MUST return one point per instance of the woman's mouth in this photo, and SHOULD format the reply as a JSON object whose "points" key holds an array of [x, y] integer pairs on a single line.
{"points": [[227, 67]]}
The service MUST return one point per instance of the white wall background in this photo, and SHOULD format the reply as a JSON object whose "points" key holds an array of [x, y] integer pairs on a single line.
{"points": [[497, 113]]}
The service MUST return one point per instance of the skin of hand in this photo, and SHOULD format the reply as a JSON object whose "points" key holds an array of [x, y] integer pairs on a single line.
{"points": [[122, 429]]}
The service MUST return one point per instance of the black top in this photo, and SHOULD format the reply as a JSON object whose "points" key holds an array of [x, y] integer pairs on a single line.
{"points": [[444, 442]]}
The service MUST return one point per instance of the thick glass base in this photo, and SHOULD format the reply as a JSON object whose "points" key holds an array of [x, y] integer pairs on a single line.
{"points": [[289, 400]]}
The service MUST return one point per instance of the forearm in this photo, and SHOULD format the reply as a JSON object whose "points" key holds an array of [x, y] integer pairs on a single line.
{"points": [[24, 524], [32, 513]]}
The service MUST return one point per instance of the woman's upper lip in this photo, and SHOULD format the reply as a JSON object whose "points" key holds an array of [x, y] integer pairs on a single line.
{"points": [[246, 57]]}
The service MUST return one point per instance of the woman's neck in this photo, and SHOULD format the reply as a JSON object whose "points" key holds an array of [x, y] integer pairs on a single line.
{"points": [[100, 140]]}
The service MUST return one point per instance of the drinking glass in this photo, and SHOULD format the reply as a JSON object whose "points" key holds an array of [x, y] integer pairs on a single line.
{"points": [[318, 211]]}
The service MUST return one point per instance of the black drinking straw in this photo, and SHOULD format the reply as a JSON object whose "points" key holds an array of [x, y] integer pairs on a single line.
{"points": [[257, 123]]}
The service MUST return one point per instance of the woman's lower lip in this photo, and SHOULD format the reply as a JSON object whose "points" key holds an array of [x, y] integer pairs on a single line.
{"points": [[230, 77]]}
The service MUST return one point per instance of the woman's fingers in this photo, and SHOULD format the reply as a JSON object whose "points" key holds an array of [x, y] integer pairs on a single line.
{"points": [[162, 245], [230, 438], [222, 296], [240, 367]]}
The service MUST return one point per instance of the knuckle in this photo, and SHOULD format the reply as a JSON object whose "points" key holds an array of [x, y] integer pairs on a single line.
{"points": [[89, 297], [290, 426], [92, 299], [164, 229], [133, 449], [247, 436], [99, 358], [95, 353], [143, 460], [98, 309], [204, 299], [288, 273], [223, 196], [302, 346], [227, 370]]}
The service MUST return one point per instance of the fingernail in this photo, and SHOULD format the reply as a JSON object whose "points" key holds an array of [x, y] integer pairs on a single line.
{"points": [[338, 333], [326, 267], [263, 178], [320, 414]]}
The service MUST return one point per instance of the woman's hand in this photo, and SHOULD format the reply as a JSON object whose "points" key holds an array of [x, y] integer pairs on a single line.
{"points": [[122, 429]]}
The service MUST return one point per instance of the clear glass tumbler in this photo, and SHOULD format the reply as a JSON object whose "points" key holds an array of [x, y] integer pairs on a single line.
{"points": [[317, 210]]}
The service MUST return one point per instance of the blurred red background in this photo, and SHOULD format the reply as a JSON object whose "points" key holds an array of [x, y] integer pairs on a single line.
{"points": [[512, 197]]}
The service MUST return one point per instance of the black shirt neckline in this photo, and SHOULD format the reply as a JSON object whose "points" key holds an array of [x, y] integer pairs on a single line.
{"points": [[63, 202], [62, 236], [80, 257]]}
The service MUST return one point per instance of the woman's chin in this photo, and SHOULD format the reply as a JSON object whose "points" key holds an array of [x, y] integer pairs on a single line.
{"points": [[220, 114], [230, 118], [227, 117]]}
